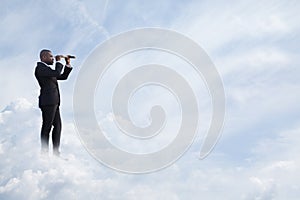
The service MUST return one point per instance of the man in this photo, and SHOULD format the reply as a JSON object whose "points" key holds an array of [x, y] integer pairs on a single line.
{"points": [[49, 99]]}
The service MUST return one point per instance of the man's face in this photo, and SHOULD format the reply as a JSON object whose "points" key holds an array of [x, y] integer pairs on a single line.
{"points": [[48, 58]]}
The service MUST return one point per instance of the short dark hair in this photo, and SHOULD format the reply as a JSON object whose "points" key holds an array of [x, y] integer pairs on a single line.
{"points": [[43, 52]]}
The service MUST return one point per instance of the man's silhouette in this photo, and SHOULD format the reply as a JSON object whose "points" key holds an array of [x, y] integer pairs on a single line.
{"points": [[49, 99]]}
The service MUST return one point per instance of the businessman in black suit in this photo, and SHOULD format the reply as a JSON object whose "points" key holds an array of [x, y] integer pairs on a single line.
{"points": [[49, 99]]}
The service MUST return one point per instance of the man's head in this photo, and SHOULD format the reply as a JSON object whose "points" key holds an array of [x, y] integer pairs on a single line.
{"points": [[46, 56]]}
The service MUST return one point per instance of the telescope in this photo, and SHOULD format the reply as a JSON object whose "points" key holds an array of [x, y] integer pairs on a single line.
{"points": [[70, 56], [67, 56]]}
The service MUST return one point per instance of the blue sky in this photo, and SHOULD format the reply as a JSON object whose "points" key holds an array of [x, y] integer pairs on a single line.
{"points": [[253, 44]]}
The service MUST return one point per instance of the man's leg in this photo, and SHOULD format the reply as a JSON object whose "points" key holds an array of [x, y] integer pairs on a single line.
{"points": [[56, 132], [48, 114]]}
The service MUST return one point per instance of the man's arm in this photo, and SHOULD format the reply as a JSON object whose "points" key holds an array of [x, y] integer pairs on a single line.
{"points": [[48, 72], [66, 73], [67, 69]]}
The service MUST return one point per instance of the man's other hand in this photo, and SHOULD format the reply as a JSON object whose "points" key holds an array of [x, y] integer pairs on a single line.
{"points": [[58, 57]]}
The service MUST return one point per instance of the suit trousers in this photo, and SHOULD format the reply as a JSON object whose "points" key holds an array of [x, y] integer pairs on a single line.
{"points": [[51, 117]]}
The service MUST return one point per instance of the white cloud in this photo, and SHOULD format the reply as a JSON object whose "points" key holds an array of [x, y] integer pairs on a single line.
{"points": [[272, 173], [217, 25]]}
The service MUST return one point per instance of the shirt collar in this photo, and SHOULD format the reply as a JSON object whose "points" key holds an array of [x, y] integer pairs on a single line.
{"points": [[44, 63]]}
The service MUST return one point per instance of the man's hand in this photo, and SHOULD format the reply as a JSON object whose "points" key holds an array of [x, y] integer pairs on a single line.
{"points": [[68, 60], [58, 57]]}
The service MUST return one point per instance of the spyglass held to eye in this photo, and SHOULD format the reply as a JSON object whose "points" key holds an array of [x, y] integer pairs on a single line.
{"points": [[67, 56]]}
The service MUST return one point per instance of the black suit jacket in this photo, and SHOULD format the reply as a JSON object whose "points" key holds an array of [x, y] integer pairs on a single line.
{"points": [[47, 79]]}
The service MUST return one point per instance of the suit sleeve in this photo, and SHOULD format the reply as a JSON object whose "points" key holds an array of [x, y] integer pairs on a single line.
{"points": [[65, 74], [48, 72]]}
